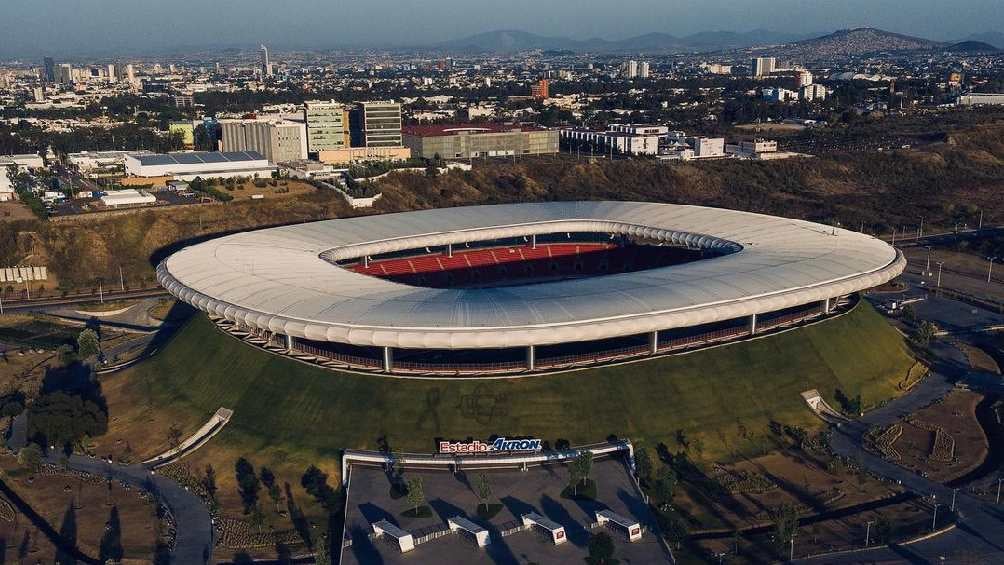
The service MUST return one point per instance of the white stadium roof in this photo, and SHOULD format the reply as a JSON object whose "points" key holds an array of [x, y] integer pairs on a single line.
{"points": [[283, 279]]}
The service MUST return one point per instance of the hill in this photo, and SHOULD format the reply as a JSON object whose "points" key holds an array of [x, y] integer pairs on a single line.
{"points": [[972, 47], [994, 38], [854, 42], [290, 413]]}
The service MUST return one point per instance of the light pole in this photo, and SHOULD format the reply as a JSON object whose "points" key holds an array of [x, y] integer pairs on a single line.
{"points": [[868, 531], [999, 479], [920, 232], [791, 554], [940, 264], [990, 270], [927, 271], [955, 491], [980, 228], [894, 237]]}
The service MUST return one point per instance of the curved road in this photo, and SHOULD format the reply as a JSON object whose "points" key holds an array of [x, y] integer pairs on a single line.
{"points": [[979, 537], [194, 540]]}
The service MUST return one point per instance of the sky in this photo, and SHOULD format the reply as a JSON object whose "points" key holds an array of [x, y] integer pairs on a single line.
{"points": [[86, 27]]}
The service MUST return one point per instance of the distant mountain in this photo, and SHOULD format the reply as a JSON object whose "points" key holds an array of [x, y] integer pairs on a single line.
{"points": [[855, 42], [994, 38], [511, 41], [972, 47]]}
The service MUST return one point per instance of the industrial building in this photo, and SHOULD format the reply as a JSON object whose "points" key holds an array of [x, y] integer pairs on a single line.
{"points": [[524, 288], [466, 141], [327, 125], [620, 141], [189, 165], [278, 140], [980, 99], [376, 124]]}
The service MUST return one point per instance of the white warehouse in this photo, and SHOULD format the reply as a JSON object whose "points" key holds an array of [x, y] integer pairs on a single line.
{"points": [[204, 164]]}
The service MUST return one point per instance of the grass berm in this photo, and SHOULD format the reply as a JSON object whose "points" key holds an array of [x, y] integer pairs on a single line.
{"points": [[723, 399]]}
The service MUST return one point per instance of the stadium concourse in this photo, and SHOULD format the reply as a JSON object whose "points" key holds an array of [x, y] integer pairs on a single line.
{"points": [[523, 288]]}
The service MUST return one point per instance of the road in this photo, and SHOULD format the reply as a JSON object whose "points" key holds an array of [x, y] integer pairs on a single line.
{"points": [[979, 537], [22, 305]]}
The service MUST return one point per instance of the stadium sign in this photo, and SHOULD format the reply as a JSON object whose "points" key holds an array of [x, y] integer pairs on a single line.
{"points": [[500, 445]]}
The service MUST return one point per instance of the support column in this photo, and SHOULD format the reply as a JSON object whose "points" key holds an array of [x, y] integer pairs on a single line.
{"points": [[289, 343], [449, 250], [826, 306], [752, 324], [366, 261], [531, 357], [533, 241], [388, 359], [653, 342]]}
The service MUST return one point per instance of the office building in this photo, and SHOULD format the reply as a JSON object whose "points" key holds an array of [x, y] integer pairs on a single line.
{"points": [[630, 69], [184, 101], [643, 69], [125, 72], [49, 70], [327, 125], [376, 124], [266, 64], [762, 66], [348, 155], [778, 94], [623, 141], [466, 141], [278, 140], [541, 90], [812, 92], [110, 73], [708, 147], [38, 94], [64, 74]]}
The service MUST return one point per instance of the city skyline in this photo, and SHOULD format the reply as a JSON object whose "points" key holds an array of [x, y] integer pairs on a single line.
{"points": [[113, 27]]}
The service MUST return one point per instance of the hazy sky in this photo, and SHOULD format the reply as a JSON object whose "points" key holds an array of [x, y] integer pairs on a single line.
{"points": [[66, 27]]}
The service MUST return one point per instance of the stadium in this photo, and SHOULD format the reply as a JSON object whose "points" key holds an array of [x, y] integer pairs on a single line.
{"points": [[522, 289]]}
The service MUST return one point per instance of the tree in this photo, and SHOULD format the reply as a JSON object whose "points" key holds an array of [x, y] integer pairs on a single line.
{"points": [[785, 524], [665, 484], [111, 539], [88, 344], [601, 549], [416, 494], [268, 479], [484, 489], [30, 457], [62, 419], [580, 469], [315, 482], [643, 465], [174, 435], [247, 484], [925, 333], [209, 482]]}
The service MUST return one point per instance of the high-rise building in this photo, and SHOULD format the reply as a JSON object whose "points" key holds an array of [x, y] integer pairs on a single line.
{"points": [[38, 94], [111, 74], [762, 66], [630, 69], [376, 124], [327, 125], [64, 74], [643, 69], [266, 64], [278, 140], [49, 70], [541, 90]]}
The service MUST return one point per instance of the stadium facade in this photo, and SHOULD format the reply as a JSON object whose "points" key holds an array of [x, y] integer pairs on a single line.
{"points": [[523, 288]]}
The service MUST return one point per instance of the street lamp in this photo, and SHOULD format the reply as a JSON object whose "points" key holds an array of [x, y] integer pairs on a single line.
{"points": [[928, 270], [940, 264], [990, 270], [26, 289], [934, 519]]}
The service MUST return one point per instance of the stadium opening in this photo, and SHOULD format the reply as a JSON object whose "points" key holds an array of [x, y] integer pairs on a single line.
{"points": [[520, 289]]}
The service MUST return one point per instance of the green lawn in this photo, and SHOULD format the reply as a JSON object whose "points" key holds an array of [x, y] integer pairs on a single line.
{"points": [[724, 398]]}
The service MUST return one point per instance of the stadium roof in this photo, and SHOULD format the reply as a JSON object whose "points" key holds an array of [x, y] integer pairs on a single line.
{"points": [[197, 157], [283, 279]]}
